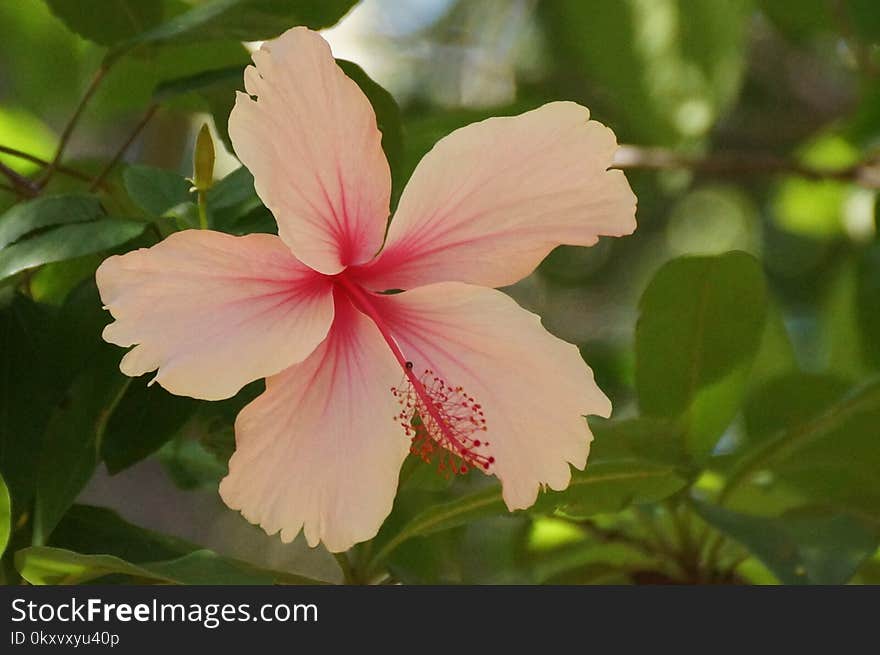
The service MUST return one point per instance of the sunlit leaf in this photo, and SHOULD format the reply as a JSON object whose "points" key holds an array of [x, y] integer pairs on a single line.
{"points": [[27, 217], [67, 242], [42, 565], [5, 516]]}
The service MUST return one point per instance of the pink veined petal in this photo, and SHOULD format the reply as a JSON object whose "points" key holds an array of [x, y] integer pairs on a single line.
{"points": [[310, 139], [319, 450], [492, 199], [532, 388], [213, 312]]}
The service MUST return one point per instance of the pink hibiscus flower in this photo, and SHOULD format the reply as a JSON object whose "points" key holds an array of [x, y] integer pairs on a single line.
{"points": [[449, 368]]}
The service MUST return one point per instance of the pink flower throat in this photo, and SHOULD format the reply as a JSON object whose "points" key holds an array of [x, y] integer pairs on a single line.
{"points": [[442, 420]]}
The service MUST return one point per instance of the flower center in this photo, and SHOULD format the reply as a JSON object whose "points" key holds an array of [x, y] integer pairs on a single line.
{"points": [[441, 419]]}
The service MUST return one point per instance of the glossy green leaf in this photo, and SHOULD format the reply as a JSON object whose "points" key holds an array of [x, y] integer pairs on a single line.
{"points": [[800, 548], [145, 419], [73, 436], [604, 486], [155, 190], [231, 199], [387, 118], [42, 565], [28, 391], [100, 531], [656, 440], [108, 21], [660, 88], [27, 217], [5, 516], [245, 20], [868, 303], [831, 456], [229, 76], [67, 242], [570, 564], [802, 20], [790, 399], [701, 321]]}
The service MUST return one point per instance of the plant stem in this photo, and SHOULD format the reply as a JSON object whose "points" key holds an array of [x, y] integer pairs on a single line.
{"points": [[20, 184], [347, 570], [119, 153], [64, 170], [203, 210], [71, 123], [629, 157]]}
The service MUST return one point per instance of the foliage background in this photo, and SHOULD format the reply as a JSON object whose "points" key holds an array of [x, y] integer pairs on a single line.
{"points": [[737, 331]]}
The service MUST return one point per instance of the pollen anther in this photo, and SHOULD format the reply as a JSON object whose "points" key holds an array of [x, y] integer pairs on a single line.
{"points": [[441, 420]]}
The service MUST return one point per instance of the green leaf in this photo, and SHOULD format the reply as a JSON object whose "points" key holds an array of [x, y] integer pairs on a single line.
{"points": [[73, 436], [802, 547], [245, 20], [604, 486], [790, 399], [155, 190], [571, 564], [230, 199], [28, 391], [190, 464], [655, 440], [701, 321], [67, 242], [5, 516], [228, 76], [43, 565], [100, 531], [665, 70], [145, 419], [387, 118], [831, 456], [27, 217], [805, 19], [868, 303], [107, 21]]}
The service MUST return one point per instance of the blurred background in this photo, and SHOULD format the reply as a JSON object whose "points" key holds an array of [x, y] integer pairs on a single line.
{"points": [[747, 125]]}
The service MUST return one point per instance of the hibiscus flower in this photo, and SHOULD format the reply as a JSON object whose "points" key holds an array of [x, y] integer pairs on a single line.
{"points": [[356, 378]]}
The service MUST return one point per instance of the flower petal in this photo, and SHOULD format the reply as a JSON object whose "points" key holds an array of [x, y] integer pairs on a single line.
{"points": [[320, 450], [492, 199], [532, 388], [310, 139], [213, 312]]}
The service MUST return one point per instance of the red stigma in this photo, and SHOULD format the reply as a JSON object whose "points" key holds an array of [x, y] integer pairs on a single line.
{"points": [[442, 421]]}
